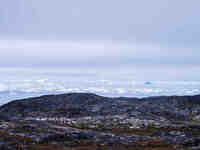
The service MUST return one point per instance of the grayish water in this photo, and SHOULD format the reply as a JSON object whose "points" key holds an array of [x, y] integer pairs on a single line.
{"points": [[22, 83]]}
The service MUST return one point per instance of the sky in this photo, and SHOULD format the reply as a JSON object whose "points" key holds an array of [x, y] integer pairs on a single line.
{"points": [[101, 34]]}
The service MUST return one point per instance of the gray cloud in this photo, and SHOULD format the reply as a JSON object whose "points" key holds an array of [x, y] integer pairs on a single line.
{"points": [[93, 53], [158, 21], [99, 32]]}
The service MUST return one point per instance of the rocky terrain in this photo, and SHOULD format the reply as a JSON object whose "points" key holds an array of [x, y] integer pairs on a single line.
{"points": [[84, 121]]}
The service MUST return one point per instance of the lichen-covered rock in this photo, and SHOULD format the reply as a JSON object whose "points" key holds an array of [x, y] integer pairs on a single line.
{"points": [[79, 121]]}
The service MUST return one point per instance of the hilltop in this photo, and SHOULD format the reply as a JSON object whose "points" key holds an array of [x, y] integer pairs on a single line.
{"points": [[81, 121]]}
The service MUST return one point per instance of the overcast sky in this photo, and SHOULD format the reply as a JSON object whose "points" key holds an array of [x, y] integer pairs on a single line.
{"points": [[100, 33]]}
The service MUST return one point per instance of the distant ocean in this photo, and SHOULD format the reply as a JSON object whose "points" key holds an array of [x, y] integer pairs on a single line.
{"points": [[19, 84]]}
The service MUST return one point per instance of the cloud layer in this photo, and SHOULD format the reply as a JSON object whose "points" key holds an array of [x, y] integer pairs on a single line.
{"points": [[93, 53], [99, 33]]}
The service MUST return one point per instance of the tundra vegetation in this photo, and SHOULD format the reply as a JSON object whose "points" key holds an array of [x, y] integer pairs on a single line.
{"points": [[85, 121]]}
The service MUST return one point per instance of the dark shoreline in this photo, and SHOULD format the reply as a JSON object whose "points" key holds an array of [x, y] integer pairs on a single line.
{"points": [[112, 97]]}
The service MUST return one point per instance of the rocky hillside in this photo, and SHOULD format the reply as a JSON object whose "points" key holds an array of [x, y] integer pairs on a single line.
{"points": [[86, 104], [84, 121]]}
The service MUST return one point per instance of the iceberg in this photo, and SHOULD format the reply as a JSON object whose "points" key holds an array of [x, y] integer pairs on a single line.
{"points": [[147, 83]]}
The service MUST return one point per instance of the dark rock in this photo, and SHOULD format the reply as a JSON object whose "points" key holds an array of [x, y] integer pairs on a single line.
{"points": [[76, 119]]}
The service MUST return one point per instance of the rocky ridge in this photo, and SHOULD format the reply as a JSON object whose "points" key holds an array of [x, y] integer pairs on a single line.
{"points": [[81, 121]]}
